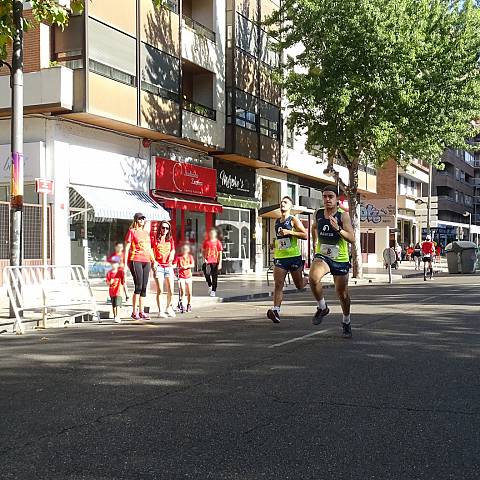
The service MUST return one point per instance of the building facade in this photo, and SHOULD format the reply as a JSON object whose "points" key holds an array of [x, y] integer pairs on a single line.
{"points": [[174, 103]]}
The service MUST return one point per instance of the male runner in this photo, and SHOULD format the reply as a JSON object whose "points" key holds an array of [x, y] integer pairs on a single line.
{"points": [[428, 251], [287, 255], [332, 231]]}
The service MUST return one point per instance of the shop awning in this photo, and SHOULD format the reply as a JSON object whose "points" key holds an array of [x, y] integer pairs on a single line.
{"points": [[230, 201], [273, 211], [121, 204], [187, 202]]}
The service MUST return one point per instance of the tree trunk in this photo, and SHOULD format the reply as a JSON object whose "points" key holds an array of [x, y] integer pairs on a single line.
{"points": [[354, 207]]}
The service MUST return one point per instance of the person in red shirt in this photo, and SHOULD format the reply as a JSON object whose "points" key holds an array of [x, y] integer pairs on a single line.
{"points": [[115, 280], [139, 255], [118, 256], [212, 254], [185, 263], [163, 248], [428, 251]]}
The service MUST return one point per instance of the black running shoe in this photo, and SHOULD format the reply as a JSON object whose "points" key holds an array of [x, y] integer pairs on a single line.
{"points": [[347, 330], [273, 315], [319, 314]]}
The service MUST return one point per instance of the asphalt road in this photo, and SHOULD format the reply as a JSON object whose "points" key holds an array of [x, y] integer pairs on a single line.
{"points": [[225, 394]]}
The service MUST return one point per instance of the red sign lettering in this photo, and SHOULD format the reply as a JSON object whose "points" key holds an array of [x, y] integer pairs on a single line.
{"points": [[44, 186]]}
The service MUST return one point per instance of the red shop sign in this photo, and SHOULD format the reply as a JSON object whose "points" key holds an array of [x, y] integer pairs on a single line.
{"points": [[178, 177]]}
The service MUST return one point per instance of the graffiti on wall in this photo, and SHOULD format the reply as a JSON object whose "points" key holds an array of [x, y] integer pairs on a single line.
{"points": [[377, 213]]}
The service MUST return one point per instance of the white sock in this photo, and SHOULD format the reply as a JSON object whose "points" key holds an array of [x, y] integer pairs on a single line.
{"points": [[322, 304], [346, 319], [276, 309]]}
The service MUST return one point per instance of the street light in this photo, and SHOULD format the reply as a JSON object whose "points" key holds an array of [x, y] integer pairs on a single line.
{"points": [[469, 215]]}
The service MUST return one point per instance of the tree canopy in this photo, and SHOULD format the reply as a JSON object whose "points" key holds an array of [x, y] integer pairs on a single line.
{"points": [[382, 79]]}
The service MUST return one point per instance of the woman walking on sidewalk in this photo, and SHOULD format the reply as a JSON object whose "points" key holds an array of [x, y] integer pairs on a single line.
{"points": [[139, 255], [164, 251], [212, 254]]}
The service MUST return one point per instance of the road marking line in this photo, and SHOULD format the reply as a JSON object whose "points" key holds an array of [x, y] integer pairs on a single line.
{"points": [[296, 339]]}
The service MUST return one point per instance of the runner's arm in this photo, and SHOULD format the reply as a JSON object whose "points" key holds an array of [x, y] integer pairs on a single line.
{"points": [[347, 229], [300, 231]]}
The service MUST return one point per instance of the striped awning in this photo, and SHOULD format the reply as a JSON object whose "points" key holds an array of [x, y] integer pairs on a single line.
{"points": [[121, 204]]}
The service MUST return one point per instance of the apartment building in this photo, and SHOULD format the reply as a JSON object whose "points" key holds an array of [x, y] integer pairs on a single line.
{"points": [[169, 110], [455, 186]]}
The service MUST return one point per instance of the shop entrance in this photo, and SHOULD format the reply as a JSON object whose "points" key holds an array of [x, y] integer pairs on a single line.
{"points": [[191, 227]]}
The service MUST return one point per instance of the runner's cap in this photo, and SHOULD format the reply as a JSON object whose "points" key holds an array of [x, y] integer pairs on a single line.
{"points": [[138, 216]]}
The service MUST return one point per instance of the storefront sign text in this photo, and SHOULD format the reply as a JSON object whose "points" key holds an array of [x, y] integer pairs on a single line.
{"points": [[235, 180], [179, 177]]}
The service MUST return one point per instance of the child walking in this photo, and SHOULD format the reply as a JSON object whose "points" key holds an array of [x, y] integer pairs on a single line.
{"points": [[212, 254], [115, 280], [185, 263]]}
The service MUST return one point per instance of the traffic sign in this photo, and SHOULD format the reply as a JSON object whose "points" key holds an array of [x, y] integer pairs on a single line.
{"points": [[43, 185]]}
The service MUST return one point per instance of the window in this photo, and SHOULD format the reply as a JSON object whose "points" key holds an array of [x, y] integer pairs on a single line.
{"points": [[457, 173], [292, 191], [246, 35], [304, 191], [160, 72], [268, 54], [242, 109], [290, 137], [68, 43], [117, 63], [269, 120], [235, 226], [367, 241]]}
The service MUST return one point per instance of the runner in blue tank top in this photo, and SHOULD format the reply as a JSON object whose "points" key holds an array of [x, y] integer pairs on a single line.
{"points": [[287, 255], [332, 231]]}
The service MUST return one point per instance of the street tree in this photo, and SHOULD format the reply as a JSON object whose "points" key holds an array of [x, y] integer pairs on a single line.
{"points": [[379, 79]]}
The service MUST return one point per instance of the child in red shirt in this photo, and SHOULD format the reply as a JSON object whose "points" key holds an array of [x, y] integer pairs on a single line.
{"points": [[212, 254], [115, 280], [185, 263]]}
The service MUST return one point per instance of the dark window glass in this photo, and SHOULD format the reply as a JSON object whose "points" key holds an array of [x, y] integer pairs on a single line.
{"points": [[159, 69]]}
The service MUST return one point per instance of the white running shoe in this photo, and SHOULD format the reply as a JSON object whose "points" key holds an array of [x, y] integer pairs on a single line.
{"points": [[117, 320], [171, 312], [212, 293], [162, 315]]}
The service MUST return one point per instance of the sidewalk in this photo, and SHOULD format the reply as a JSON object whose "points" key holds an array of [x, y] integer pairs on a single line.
{"points": [[231, 288]]}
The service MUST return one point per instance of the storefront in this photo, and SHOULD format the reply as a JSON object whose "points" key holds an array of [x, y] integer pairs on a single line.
{"points": [[236, 186], [188, 192]]}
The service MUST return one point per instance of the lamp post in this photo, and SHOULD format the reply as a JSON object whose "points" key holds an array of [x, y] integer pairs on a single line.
{"points": [[469, 215]]}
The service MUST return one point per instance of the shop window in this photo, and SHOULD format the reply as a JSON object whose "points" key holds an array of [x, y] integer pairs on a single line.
{"points": [[367, 240], [117, 63], [244, 247], [235, 226], [245, 216], [160, 73]]}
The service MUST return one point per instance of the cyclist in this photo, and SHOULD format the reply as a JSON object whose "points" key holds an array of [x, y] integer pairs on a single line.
{"points": [[287, 255], [332, 232], [428, 251]]}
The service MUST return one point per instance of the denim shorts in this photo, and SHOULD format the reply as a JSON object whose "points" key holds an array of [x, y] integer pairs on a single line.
{"points": [[163, 272], [336, 268], [290, 264]]}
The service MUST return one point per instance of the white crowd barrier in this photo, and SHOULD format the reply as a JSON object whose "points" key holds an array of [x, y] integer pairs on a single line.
{"points": [[43, 289]]}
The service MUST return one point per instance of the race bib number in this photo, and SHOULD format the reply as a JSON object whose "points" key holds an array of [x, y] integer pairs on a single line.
{"points": [[330, 251], [283, 243]]}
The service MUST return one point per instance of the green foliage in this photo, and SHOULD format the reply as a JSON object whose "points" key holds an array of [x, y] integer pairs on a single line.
{"points": [[381, 79], [47, 11]]}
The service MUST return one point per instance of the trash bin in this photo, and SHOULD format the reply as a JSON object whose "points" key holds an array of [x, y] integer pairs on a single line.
{"points": [[461, 257]]}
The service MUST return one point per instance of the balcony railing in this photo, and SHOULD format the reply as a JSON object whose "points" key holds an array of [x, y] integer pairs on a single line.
{"points": [[199, 28], [199, 109]]}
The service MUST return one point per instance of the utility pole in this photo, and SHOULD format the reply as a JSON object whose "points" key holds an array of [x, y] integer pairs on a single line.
{"points": [[16, 185], [429, 200]]}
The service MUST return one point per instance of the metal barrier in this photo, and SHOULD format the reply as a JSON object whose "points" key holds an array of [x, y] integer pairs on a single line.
{"points": [[41, 289]]}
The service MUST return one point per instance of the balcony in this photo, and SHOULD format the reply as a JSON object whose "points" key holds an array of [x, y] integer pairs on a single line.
{"points": [[406, 202], [199, 28], [46, 91], [199, 109]]}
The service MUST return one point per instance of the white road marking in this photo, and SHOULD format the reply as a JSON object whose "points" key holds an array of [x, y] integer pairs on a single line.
{"points": [[296, 339], [312, 334]]}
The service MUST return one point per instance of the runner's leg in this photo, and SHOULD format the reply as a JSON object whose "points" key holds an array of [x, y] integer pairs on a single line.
{"points": [[279, 275], [341, 287], [298, 279], [318, 270]]}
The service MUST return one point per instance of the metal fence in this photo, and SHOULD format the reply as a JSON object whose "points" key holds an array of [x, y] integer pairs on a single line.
{"points": [[41, 290]]}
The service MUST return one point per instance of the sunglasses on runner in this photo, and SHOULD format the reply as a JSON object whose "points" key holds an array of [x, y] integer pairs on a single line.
{"points": [[164, 227]]}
